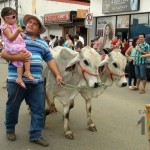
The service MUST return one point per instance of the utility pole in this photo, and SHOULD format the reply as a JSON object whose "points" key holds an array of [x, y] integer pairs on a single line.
{"points": [[16, 5]]}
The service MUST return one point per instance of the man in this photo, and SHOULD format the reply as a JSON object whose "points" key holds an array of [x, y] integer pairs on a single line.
{"points": [[79, 44], [56, 42], [115, 42], [34, 94], [46, 39], [80, 38], [141, 63]]}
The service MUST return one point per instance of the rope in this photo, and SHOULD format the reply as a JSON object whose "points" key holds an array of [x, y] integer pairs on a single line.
{"points": [[70, 86]]}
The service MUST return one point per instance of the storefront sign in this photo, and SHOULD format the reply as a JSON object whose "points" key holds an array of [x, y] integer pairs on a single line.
{"points": [[111, 6], [63, 17], [81, 13]]}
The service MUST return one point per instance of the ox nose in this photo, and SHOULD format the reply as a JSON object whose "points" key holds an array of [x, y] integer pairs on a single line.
{"points": [[95, 85], [124, 84]]}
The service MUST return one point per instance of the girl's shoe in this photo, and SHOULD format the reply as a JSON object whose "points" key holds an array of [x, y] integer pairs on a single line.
{"points": [[29, 76], [21, 83]]}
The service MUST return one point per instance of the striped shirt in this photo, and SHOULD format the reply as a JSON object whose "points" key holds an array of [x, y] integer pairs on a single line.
{"points": [[40, 52], [144, 47]]}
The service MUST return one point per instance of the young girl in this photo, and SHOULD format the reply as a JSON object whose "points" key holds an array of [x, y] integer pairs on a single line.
{"points": [[14, 43]]}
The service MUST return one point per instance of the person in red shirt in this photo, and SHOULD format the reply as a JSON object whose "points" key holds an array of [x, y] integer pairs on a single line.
{"points": [[116, 43], [125, 46]]}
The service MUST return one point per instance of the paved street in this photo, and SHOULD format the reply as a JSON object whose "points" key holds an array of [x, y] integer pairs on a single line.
{"points": [[116, 114]]}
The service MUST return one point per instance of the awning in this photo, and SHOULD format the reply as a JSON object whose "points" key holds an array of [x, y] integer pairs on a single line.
{"points": [[59, 18]]}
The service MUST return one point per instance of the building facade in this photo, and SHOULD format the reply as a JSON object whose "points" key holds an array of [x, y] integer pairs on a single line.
{"points": [[60, 16], [127, 18]]}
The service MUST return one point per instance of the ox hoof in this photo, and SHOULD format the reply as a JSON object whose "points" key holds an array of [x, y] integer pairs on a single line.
{"points": [[69, 135], [92, 127]]}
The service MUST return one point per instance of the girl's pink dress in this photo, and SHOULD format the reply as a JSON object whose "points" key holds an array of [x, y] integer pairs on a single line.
{"points": [[15, 46]]}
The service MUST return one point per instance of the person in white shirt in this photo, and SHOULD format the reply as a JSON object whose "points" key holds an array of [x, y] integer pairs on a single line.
{"points": [[80, 38], [52, 40]]}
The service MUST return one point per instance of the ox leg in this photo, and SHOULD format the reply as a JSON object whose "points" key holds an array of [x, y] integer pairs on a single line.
{"points": [[68, 132], [90, 124]]}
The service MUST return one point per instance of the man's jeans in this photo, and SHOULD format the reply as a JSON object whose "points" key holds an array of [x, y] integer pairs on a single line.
{"points": [[35, 98], [140, 71]]}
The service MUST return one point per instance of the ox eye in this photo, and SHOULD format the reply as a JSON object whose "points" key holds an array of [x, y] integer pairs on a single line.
{"points": [[85, 61], [115, 65]]}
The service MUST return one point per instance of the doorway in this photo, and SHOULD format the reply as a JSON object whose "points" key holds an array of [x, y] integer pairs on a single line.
{"points": [[83, 32], [122, 34]]}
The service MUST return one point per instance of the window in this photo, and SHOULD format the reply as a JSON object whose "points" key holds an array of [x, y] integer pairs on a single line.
{"points": [[140, 24]]}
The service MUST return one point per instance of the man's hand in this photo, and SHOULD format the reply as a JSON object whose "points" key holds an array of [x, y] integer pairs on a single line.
{"points": [[23, 35], [19, 29], [59, 79], [24, 56], [139, 49], [142, 56]]}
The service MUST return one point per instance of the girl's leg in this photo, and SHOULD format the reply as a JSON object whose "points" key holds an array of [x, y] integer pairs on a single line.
{"points": [[19, 78], [27, 72]]}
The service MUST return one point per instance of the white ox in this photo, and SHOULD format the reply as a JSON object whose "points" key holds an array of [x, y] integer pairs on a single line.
{"points": [[112, 72], [78, 70]]}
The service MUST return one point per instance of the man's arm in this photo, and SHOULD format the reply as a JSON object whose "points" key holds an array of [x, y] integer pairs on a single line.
{"points": [[54, 68], [146, 55], [22, 56], [144, 52]]}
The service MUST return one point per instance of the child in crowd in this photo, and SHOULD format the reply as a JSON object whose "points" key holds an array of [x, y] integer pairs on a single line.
{"points": [[14, 43]]}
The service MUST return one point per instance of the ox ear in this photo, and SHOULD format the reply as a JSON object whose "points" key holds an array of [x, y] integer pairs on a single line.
{"points": [[69, 58], [104, 61], [72, 64]]}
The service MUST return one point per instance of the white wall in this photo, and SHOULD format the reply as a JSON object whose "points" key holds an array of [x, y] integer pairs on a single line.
{"points": [[55, 30], [96, 7], [45, 7]]}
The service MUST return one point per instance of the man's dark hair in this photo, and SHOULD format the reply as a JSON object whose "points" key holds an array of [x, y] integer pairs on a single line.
{"points": [[52, 36], [142, 34], [6, 11], [76, 37]]}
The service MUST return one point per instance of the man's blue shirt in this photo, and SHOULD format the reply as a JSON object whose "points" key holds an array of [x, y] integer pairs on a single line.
{"points": [[40, 51]]}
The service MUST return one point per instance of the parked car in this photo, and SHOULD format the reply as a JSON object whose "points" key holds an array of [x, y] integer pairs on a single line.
{"points": [[148, 69]]}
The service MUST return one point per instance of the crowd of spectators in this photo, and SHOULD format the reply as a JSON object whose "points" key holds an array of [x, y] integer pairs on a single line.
{"points": [[75, 42]]}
